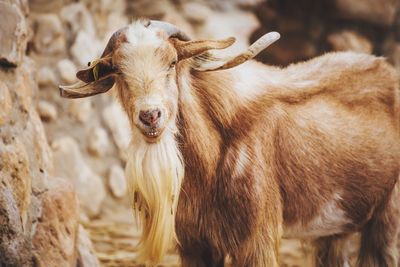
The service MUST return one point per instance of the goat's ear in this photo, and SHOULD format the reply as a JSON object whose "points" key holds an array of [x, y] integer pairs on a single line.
{"points": [[98, 78], [82, 89], [207, 61], [188, 49]]}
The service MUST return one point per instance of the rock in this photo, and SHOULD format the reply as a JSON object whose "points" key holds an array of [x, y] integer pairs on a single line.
{"points": [[56, 233], [48, 35], [5, 103], [24, 86], [98, 142], [43, 158], [86, 253], [25, 160], [395, 56], [46, 77], [15, 247], [24, 163], [46, 110], [78, 18], [349, 40], [80, 109], [249, 3], [16, 174], [86, 48], [46, 6], [381, 12], [392, 51], [227, 5], [107, 6], [67, 70], [289, 49], [70, 164], [116, 181], [23, 5], [148, 9], [118, 123], [196, 12], [13, 35], [239, 24], [115, 22]]}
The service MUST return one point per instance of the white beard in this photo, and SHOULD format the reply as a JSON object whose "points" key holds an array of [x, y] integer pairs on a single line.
{"points": [[154, 174]]}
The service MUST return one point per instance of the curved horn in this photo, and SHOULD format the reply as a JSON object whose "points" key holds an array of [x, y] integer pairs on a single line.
{"points": [[171, 30], [116, 39], [227, 63]]}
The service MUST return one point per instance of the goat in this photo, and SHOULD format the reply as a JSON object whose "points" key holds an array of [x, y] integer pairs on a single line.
{"points": [[228, 158]]}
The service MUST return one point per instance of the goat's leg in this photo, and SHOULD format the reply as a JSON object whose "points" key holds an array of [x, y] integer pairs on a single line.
{"points": [[201, 258], [330, 252], [261, 251], [379, 236]]}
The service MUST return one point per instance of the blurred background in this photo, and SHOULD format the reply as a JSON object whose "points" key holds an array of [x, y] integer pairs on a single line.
{"points": [[63, 195]]}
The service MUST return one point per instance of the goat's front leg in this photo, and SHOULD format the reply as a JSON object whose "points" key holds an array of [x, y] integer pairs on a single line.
{"points": [[379, 236], [260, 251], [331, 252], [200, 258]]}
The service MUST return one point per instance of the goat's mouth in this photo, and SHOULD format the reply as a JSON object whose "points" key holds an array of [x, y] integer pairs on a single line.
{"points": [[152, 135]]}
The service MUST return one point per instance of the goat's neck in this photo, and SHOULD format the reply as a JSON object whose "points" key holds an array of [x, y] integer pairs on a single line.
{"points": [[207, 112]]}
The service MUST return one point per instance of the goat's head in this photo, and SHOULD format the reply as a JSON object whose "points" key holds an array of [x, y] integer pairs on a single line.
{"points": [[140, 59]]}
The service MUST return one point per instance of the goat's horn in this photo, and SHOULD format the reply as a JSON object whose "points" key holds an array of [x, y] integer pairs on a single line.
{"points": [[171, 30], [259, 45], [115, 41]]}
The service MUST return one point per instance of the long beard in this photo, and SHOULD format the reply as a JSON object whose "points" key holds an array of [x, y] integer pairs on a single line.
{"points": [[154, 173]]}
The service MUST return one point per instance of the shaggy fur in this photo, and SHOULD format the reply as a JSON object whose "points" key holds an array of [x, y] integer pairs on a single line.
{"points": [[310, 134], [310, 151], [154, 174]]}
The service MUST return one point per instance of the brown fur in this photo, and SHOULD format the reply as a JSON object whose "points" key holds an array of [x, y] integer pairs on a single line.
{"points": [[331, 252], [299, 155], [311, 151]]}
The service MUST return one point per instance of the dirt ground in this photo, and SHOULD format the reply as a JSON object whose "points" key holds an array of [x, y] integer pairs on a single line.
{"points": [[114, 244]]}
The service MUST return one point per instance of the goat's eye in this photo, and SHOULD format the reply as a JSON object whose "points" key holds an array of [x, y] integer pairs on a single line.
{"points": [[172, 65]]}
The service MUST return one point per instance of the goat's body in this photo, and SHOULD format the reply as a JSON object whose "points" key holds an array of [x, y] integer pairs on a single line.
{"points": [[311, 151]]}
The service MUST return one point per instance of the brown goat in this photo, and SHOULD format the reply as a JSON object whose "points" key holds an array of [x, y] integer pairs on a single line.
{"points": [[228, 162]]}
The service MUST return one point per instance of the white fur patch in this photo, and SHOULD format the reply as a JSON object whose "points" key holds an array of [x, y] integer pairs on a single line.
{"points": [[138, 34], [241, 161], [253, 79], [330, 221], [249, 81]]}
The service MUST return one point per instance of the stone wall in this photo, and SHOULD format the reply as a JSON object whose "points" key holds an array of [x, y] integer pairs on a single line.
{"points": [[39, 220]]}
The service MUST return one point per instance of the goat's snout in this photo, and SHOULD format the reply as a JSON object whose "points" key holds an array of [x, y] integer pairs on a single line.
{"points": [[150, 117]]}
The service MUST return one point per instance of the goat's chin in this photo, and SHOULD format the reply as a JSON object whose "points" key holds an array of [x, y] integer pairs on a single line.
{"points": [[154, 173]]}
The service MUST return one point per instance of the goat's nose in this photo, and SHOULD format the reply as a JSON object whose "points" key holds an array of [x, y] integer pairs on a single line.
{"points": [[150, 117]]}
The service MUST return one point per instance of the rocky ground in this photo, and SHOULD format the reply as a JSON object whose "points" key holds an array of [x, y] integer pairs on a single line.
{"points": [[63, 196]]}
